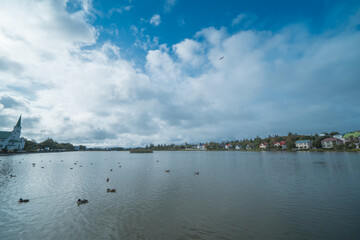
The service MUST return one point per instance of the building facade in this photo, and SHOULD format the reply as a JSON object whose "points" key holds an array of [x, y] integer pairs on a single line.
{"points": [[330, 142], [11, 141], [281, 144], [263, 145], [303, 144]]}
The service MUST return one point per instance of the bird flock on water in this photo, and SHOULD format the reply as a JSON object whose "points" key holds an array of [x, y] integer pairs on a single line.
{"points": [[84, 201]]}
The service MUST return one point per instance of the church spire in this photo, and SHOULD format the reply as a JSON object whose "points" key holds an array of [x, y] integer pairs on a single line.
{"points": [[18, 124]]}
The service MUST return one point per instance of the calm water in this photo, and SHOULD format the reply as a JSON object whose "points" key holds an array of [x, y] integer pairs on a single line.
{"points": [[237, 195]]}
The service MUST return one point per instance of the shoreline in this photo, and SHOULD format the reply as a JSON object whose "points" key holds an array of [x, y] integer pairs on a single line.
{"points": [[190, 150]]}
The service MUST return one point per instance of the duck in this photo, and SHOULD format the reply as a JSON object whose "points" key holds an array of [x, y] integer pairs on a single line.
{"points": [[12, 175], [110, 170], [111, 190], [79, 201], [107, 180], [23, 200], [167, 170], [196, 173]]}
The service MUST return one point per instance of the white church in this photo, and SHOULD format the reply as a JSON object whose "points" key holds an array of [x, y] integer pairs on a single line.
{"points": [[11, 140]]}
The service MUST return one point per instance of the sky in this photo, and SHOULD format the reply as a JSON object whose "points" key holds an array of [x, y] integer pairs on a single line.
{"points": [[130, 73]]}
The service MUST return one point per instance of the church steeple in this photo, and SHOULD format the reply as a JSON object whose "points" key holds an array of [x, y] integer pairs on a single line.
{"points": [[18, 124]]}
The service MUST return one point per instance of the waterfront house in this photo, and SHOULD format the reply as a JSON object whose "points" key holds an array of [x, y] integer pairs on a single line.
{"points": [[249, 147], [303, 144], [228, 146], [11, 140], [340, 137], [281, 144], [238, 147], [330, 142], [201, 146], [263, 145], [352, 137]]}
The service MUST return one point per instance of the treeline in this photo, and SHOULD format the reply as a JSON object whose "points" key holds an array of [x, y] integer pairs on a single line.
{"points": [[254, 144], [290, 140], [49, 145], [165, 147]]}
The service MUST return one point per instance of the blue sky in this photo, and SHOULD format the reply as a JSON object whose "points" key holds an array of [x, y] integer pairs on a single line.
{"points": [[130, 73]]}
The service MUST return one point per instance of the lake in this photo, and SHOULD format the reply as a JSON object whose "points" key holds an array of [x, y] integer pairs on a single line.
{"points": [[236, 195]]}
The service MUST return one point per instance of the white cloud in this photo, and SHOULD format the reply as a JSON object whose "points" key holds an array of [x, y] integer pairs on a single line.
{"points": [[155, 20], [238, 19], [266, 83], [169, 4], [189, 51], [120, 9]]}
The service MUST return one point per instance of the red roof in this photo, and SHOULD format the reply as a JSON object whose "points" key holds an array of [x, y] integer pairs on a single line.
{"points": [[331, 140], [282, 143]]}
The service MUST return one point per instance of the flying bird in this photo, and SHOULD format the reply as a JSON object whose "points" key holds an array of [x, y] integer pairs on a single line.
{"points": [[221, 58]]}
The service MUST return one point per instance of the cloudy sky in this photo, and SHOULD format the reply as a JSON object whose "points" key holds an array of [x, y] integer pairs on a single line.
{"points": [[130, 72]]}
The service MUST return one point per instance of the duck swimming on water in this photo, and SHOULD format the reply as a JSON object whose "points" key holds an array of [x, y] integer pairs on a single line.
{"points": [[79, 201], [23, 200], [111, 190]]}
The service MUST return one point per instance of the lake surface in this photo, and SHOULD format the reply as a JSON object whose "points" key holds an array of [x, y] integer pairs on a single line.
{"points": [[237, 195]]}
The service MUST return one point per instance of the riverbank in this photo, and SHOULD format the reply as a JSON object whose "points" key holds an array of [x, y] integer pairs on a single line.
{"points": [[193, 150]]}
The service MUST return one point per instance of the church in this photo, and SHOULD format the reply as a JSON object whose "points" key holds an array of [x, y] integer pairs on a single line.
{"points": [[11, 141]]}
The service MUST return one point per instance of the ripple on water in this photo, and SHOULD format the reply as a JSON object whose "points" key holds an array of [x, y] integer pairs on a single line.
{"points": [[236, 196]]}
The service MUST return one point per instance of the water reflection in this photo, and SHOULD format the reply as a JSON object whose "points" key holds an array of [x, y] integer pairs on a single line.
{"points": [[237, 195]]}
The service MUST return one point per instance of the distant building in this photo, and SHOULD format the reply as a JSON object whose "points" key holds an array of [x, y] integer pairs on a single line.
{"points": [[263, 145], [201, 146], [354, 136], [238, 147], [281, 144], [249, 146], [330, 142], [340, 137], [303, 144], [11, 140], [228, 146]]}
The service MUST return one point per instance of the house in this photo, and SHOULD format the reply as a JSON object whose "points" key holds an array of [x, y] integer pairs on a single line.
{"points": [[201, 146], [228, 146], [354, 136], [263, 145], [249, 146], [281, 144], [238, 147], [11, 140], [303, 144], [340, 137], [330, 142]]}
